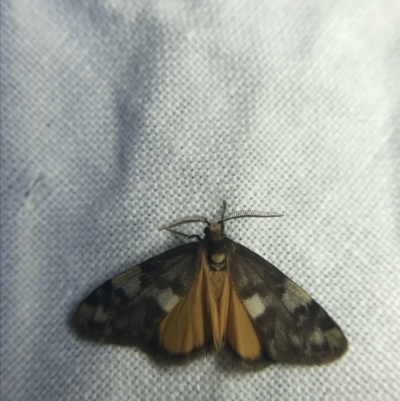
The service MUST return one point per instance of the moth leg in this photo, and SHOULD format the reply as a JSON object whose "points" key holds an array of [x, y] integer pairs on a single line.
{"points": [[183, 234]]}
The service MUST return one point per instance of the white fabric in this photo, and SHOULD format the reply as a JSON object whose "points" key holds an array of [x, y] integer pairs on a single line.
{"points": [[120, 116]]}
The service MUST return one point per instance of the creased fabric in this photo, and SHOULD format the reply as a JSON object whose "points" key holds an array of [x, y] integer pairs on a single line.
{"points": [[118, 117]]}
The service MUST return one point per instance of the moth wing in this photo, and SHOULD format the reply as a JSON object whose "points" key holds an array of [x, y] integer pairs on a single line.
{"points": [[293, 326], [128, 308]]}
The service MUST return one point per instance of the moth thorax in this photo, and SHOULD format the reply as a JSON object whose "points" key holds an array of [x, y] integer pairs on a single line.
{"points": [[216, 247], [216, 253]]}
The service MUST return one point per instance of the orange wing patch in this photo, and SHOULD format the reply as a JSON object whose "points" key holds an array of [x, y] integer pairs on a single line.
{"points": [[210, 312], [240, 331], [188, 325]]}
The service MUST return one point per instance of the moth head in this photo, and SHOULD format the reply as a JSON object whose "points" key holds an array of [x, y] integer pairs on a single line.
{"points": [[215, 229]]}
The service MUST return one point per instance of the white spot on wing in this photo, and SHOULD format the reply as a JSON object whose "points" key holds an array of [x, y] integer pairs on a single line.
{"points": [[168, 299], [294, 296], [100, 315], [254, 305], [317, 337], [295, 340], [334, 337]]}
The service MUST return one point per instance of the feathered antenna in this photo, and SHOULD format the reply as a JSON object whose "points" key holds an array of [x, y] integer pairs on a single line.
{"points": [[245, 213], [188, 219], [250, 213]]}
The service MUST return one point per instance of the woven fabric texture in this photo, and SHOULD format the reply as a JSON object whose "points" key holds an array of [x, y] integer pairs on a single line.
{"points": [[120, 116]]}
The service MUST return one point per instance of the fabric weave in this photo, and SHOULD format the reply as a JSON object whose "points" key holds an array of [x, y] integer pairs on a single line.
{"points": [[119, 117]]}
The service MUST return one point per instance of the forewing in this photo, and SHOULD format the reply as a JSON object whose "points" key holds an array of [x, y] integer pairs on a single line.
{"points": [[127, 309], [294, 328]]}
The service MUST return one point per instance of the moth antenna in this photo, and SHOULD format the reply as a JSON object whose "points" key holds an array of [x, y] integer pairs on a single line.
{"points": [[223, 210], [188, 219], [183, 234], [250, 213]]}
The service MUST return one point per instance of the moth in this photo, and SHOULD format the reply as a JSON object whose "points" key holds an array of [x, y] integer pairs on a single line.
{"points": [[210, 294]]}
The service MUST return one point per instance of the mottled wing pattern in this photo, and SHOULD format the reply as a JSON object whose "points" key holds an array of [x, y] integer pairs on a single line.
{"points": [[294, 328], [128, 308]]}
